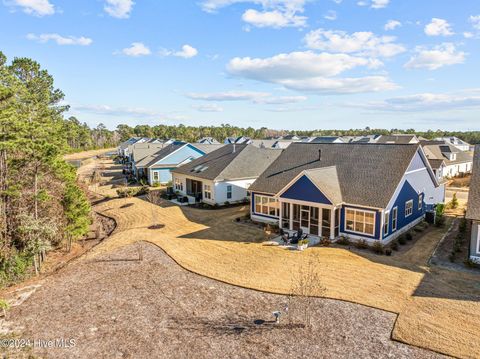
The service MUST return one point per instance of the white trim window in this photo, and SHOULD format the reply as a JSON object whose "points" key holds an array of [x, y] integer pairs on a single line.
{"points": [[409, 208], [420, 201], [178, 184], [360, 221], [156, 176], [386, 222], [394, 218], [229, 192], [207, 191], [268, 206]]}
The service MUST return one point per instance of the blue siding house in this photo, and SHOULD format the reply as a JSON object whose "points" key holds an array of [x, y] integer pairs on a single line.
{"points": [[158, 165], [364, 191]]}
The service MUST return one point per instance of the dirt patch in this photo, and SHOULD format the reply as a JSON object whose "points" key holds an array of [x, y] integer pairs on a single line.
{"points": [[152, 308]]}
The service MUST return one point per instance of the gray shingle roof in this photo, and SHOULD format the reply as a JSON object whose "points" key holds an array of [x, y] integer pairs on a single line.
{"points": [[326, 179], [206, 147], [142, 150], [368, 174], [473, 208], [398, 139], [247, 161], [435, 152]]}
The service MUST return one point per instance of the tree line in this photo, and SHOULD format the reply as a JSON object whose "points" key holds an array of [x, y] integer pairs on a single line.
{"points": [[41, 204], [194, 133]]}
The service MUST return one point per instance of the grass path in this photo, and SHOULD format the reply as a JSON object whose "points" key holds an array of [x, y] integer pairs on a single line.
{"points": [[438, 309]]}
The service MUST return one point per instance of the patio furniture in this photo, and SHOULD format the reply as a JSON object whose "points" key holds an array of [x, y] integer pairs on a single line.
{"points": [[285, 236]]}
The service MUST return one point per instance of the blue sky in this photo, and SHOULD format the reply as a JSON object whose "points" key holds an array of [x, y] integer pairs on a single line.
{"points": [[283, 64]]}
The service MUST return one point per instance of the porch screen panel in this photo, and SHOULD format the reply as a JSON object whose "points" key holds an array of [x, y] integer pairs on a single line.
{"points": [[326, 222], [296, 216], [314, 221], [285, 215]]}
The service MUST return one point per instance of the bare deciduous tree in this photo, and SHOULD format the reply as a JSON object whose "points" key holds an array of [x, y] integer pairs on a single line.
{"points": [[306, 285]]}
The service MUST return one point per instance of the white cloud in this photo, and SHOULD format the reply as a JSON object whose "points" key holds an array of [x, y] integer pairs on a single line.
{"points": [[275, 19], [34, 7], [137, 49], [120, 111], [438, 27], [331, 15], [427, 102], [252, 96], [272, 13], [364, 43], [308, 71], [186, 52], [468, 35], [60, 40], [392, 25], [209, 107], [436, 57], [475, 21], [120, 9], [379, 4], [374, 4]]}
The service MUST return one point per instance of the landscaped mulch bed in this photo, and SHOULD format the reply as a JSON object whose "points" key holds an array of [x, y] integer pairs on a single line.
{"points": [[115, 306]]}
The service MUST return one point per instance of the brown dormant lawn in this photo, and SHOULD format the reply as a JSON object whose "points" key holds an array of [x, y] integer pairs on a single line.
{"points": [[438, 309]]}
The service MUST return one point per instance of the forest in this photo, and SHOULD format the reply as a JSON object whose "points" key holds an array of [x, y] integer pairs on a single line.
{"points": [[41, 205]]}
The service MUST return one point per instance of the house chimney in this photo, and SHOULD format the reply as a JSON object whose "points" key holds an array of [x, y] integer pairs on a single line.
{"points": [[319, 154]]}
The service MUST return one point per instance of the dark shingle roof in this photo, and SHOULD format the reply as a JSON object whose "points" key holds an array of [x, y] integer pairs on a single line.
{"points": [[247, 161], [368, 174], [398, 139], [437, 151], [435, 163], [473, 208]]}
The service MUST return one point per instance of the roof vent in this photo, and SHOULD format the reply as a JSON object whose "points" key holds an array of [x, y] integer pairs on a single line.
{"points": [[319, 154]]}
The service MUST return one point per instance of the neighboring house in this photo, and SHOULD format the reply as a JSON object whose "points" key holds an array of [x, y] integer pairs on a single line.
{"points": [[438, 168], [399, 139], [290, 138], [223, 175], [141, 152], [326, 139], [473, 208], [363, 191], [229, 140], [455, 141], [456, 162], [157, 166], [361, 139], [208, 141], [124, 146]]}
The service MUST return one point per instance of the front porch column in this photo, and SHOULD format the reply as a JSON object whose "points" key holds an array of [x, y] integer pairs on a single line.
{"points": [[332, 223], [291, 216]]}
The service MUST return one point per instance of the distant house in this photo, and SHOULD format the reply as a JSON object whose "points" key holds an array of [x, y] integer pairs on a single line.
{"points": [[399, 139], [156, 167], [142, 152], [326, 139], [455, 161], [456, 142], [208, 141], [473, 208], [361, 139], [123, 148], [363, 191], [223, 175]]}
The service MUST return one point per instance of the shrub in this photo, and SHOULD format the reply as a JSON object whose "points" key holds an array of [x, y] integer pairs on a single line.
{"points": [[440, 221], [238, 219], [343, 241], [326, 242], [377, 247], [408, 236], [394, 245], [388, 252], [156, 184], [469, 263], [451, 257], [402, 240], [462, 228], [454, 202], [226, 203], [361, 244]]}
